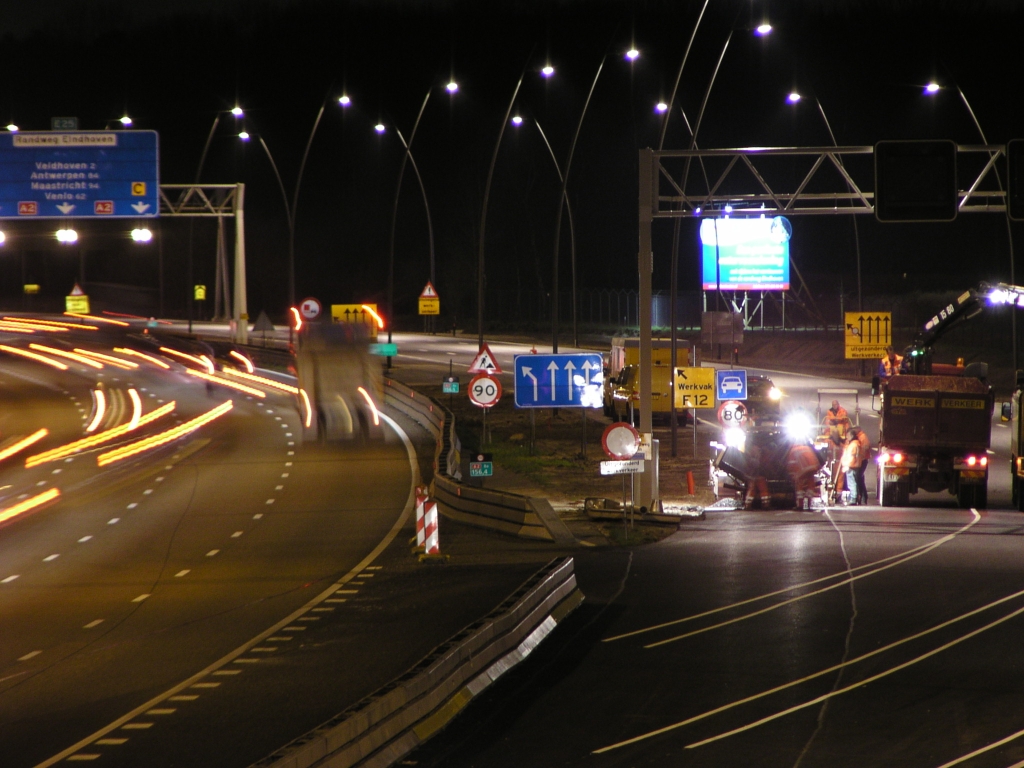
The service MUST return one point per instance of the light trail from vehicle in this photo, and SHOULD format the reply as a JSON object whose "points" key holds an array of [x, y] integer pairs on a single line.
{"points": [[183, 356], [28, 504], [245, 360], [55, 325], [226, 383], [24, 443], [126, 365], [16, 328], [85, 443], [373, 406], [97, 319], [67, 355], [136, 409], [308, 408], [101, 410], [155, 441], [149, 358], [291, 390], [33, 356]]}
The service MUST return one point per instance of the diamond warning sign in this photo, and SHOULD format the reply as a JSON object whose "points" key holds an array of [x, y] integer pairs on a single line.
{"points": [[485, 362]]}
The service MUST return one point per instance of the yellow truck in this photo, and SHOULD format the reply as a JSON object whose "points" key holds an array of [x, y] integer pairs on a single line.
{"points": [[622, 379]]}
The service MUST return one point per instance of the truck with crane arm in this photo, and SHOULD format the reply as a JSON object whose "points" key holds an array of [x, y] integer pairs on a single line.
{"points": [[935, 419]]}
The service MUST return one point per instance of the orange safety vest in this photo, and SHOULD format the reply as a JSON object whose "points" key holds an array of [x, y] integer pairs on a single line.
{"points": [[890, 367], [801, 460]]}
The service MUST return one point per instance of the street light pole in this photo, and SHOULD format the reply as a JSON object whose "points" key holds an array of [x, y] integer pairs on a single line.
{"points": [[284, 198], [483, 213]]}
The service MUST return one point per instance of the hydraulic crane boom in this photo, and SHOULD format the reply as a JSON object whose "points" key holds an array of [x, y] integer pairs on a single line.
{"points": [[918, 356]]}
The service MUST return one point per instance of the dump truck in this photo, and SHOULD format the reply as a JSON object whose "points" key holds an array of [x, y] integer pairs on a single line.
{"points": [[935, 420]]}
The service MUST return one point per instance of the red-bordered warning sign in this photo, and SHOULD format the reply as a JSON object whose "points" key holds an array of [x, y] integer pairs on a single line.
{"points": [[485, 362], [429, 291]]}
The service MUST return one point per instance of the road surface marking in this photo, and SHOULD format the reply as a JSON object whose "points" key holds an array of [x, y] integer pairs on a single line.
{"points": [[84, 539], [236, 534], [278, 487], [288, 463], [179, 574], [9, 579], [859, 683], [113, 521], [206, 685], [346, 591], [136, 726], [133, 505], [983, 750], [277, 639], [266, 649], [147, 492], [270, 501], [309, 618], [228, 672], [182, 698], [819, 673], [50, 558], [82, 757], [367, 575], [291, 453], [159, 479], [323, 610], [212, 552], [111, 742], [892, 560], [28, 656], [92, 624], [165, 711], [285, 474], [234, 656], [257, 516], [294, 629], [374, 567], [336, 600]]}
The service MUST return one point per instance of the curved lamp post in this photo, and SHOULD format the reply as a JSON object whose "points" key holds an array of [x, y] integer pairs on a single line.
{"points": [[931, 89], [480, 283]]}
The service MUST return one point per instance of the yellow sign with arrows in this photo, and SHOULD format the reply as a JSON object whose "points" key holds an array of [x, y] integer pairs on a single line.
{"points": [[867, 334]]}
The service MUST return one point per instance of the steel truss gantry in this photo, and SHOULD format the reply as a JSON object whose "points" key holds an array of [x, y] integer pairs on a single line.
{"points": [[220, 201]]}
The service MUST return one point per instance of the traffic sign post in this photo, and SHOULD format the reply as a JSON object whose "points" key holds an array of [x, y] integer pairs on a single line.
{"points": [[731, 384], [485, 362], [481, 465], [429, 301], [732, 413], [867, 334], [310, 308], [695, 388], [84, 174], [484, 392], [558, 381]]}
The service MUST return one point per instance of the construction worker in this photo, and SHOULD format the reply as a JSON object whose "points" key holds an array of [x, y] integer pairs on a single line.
{"points": [[890, 363], [838, 422], [801, 465], [864, 449], [850, 466], [757, 483]]}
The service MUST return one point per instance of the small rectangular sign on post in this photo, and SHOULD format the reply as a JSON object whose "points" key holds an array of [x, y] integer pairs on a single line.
{"points": [[627, 467], [450, 385], [695, 388]]}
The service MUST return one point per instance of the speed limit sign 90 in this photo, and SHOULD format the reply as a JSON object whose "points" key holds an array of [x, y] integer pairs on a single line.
{"points": [[484, 391]]}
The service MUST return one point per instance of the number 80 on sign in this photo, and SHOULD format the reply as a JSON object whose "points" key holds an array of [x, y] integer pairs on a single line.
{"points": [[484, 391]]}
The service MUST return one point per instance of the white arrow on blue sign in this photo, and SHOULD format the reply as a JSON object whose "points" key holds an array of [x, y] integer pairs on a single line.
{"points": [[559, 381]]}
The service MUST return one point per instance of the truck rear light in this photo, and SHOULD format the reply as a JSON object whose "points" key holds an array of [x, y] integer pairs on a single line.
{"points": [[971, 461], [890, 458]]}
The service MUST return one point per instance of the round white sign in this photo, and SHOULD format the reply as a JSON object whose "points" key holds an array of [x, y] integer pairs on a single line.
{"points": [[484, 391], [310, 308], [620, 441], [732, 413]]}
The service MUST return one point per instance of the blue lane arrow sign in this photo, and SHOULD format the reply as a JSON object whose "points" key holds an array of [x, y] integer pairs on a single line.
{"points": [[559, 381]]}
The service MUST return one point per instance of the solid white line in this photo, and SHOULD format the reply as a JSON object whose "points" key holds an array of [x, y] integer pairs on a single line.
{"points": [[985, 749], [892, 564], [819, 673], [861, 683], [232, 657]]}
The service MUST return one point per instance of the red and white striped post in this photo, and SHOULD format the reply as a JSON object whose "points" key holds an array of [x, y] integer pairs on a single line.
{"points": [[421, 500], [433, 542]]}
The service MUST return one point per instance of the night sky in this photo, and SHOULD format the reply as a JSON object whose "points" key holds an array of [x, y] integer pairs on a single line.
{"points": [[174, 66]]}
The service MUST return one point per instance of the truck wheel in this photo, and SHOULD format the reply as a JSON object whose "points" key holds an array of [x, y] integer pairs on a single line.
{"points": [[967, 496], [903, 494], [888, 496], [1018, 492], [981, 496]]}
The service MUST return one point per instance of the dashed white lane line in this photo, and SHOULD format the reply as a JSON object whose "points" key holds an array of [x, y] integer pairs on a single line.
{"points": [[41, 482], [278, 639], [179, 574], [181, 697], [373, 567], [136, 726], [162, 711], [270, 501], [278, 487], [81, 757], [245, 661], [293, 628], [336, 600], [50, 558], [323, 610], [212, 552], [228, 672], [236, 534], [285, 474], [288, 463], [133, 505], [113, 521], [110, 742], [84, 539], [263, 649], [142, 597], [257, 516], [367, 575], [9, 579], [92, 624], [206, 685], [147, 492], [346, 591], [30, 655]]}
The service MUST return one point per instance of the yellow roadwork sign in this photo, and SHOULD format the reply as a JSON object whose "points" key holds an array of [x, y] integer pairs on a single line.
{"points": [[77, 303], [867, 334], [430, 306], [695, 388]]}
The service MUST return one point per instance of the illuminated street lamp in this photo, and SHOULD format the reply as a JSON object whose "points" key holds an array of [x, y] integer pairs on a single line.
{"points": [[632, 54], [547, 71], [793, 97], [379, 128], [344, 100], [125, 121], [12, 128], [661, 107]]}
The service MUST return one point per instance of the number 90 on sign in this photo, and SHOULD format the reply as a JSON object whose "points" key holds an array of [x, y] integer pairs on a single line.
{"points": [[484, 391]]}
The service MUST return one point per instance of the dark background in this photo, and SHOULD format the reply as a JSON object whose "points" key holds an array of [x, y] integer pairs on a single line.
{"points": [[173, 66]]}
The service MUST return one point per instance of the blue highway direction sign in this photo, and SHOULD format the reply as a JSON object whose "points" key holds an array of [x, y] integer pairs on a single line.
{"points": [[731, 385], [79, 174], [559, 381]]}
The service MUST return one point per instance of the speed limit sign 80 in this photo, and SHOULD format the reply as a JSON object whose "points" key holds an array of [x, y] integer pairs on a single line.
{"points": [[732, 413], [484, 391]]}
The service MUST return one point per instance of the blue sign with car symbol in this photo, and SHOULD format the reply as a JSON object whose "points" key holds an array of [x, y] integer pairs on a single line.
{"points": [[731, 385]]}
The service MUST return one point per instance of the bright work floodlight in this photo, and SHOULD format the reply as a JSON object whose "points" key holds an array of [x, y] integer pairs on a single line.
{"points": [[143, 235], [67, 236]]}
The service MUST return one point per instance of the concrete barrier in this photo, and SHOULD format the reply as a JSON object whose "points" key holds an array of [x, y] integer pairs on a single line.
{"points": [[524, 516], [385, 726]]}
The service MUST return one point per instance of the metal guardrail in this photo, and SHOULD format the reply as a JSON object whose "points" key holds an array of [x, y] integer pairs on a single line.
{"points": [[388, 724]]}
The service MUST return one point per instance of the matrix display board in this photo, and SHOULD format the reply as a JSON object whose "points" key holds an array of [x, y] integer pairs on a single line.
{"points": [[76, 174], [745, 254]]}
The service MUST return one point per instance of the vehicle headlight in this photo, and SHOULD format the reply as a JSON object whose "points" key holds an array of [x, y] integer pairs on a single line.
{"points": [[775, 394], [798, 425], [735, 438]]}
